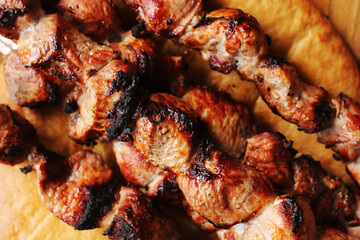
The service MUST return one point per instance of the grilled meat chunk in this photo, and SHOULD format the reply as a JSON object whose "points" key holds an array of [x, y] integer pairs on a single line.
{"points": [[167, 136], [343, 135], [31, 87], [229, 124], [17, 136], [298, 102], [79, 190], [97, 19], [162, 73], [289, 217], [271, 154], [138, 218], [16, 15], [136, 169], [56, 46], [333, 202], [167, 18], [97, 99]]}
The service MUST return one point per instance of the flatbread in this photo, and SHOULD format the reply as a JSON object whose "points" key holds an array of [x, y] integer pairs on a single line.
{"points": [[299, 32]]}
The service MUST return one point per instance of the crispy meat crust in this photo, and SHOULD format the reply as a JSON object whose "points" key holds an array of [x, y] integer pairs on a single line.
{"points": [[17, 136], [300, 103], [228, 124], [289, 217], [271, 154], [137, 218], [79, 190], [96, 19]]}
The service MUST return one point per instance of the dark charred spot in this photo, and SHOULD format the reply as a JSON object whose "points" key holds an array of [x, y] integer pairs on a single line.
{"points": [[129, 104], [157, 112], [53, 91], [169, 21], [26, 170], [70, 106], [137, 29], [292, 209], [268, 39], [120, 229], [10, 151], [197, 168], [9, 16], [90, 143], [324, 115], [200, 22], [274, 62], [122, 82], [260, 79], [100, 201]]}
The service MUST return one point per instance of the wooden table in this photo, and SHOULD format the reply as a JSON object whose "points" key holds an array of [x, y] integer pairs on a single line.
{"points": [[345, 17]]}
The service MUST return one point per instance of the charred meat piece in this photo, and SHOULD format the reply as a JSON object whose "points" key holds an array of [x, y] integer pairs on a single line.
{"points": [[333, 202], [15, 15], [229, 124], [215, 185], [271, 154], [167, 18], [96, 99], [136, 169], [17, 136], [138, 218], [288, 217], [228, 39], [298, 102], [162, 73], [344, 135], [31, 87], [79, 190], [59, 48], [97, 19]]}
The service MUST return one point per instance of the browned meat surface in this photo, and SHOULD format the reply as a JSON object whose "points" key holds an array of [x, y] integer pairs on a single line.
{"points": [[288, 217], [332, 234], [31, 87], [222, 190], [15, 15], [163, 73], [214, 184], [138, 218], [344, 134], [138, 170], [17, 136], [229, 124], [305, 105], [167, 18], [56, 46], [332, 201], [228, 39], [99, 94], [97, 19], [271, 154], [79, 190]]}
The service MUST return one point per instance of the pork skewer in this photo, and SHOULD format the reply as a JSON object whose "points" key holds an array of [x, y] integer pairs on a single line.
{"points": [[82, 190], [232, 40]]}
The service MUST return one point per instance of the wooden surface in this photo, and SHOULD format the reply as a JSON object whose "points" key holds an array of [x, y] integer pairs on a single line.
{"points": [[345, 17]]}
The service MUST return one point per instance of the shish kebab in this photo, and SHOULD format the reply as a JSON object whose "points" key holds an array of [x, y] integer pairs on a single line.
{"points": [[230, 39]]}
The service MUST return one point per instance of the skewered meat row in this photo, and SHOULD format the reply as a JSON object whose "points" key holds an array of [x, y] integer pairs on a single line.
{"points": [[82, 190], [269, 153], [63, 57], [232, 40]]}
